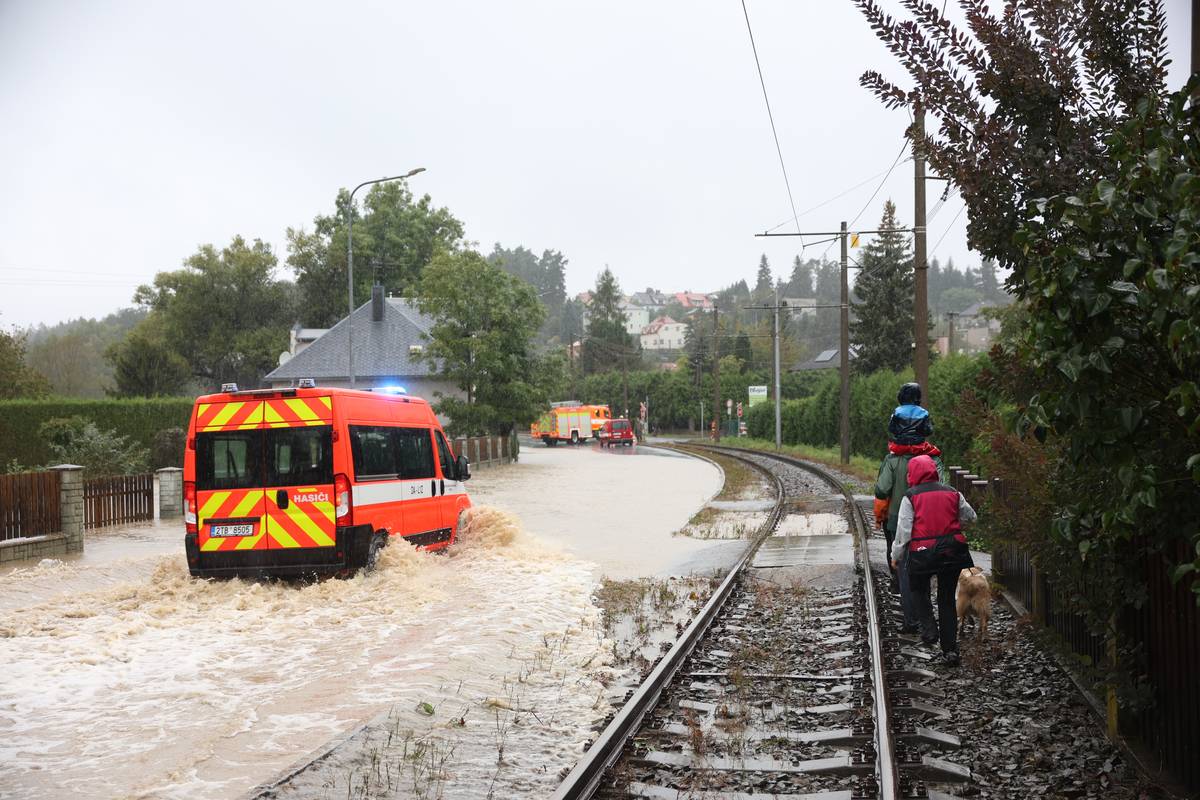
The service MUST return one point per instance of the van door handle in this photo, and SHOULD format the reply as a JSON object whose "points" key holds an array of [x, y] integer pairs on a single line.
{"points": [[281, 498], [433, 488], [443, 486]]}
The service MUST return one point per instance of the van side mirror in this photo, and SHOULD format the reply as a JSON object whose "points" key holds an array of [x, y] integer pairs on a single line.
{"points": [[462, 468]]}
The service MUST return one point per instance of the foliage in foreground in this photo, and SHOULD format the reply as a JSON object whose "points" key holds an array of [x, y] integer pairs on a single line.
{"points": [[74, 440], [1112, 284]]}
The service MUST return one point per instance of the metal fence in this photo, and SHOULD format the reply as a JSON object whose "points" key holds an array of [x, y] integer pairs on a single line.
{"points": [[119, 499], [1165, 634], [29, 504]]}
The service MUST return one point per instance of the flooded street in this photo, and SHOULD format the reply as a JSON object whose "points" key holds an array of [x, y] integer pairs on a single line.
{"points": [[127, 678]]}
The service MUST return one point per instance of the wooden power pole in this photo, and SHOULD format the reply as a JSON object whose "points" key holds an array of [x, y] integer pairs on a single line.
{"points": [[844, 423], [921, 274]]}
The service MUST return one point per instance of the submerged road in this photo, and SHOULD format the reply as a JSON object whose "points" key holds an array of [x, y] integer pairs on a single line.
{"points": [[124, 677]]}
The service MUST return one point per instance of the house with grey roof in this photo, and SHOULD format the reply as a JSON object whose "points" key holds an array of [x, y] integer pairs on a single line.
{"points": [[826, 359], [390, 336]]}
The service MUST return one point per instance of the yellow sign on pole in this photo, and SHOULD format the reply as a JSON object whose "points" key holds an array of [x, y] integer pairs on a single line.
{"points": [[854, 240]]}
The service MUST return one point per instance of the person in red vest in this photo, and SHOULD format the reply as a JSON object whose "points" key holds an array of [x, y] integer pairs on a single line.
{"points": [[929, 535]]}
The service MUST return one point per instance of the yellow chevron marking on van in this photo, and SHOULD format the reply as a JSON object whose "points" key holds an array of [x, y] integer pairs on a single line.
{"points": [[215, 501], [248, 502], [272, 416], [201, 408], [222, 416], [328, 401], [283, 537], [308, 525], [249, 542], [210, 545], [301, 409]]}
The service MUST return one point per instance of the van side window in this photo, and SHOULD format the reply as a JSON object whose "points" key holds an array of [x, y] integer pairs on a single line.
{"points": [[446, 457], [374, 452], [416, 452]]}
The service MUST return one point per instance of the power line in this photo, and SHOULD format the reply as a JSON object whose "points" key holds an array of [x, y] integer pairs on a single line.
{"points": [[871, 199], [771, 117], [948, 227], [824, 203]]}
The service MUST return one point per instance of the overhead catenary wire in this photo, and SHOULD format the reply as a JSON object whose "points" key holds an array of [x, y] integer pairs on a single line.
{"points": [[771, 117]]}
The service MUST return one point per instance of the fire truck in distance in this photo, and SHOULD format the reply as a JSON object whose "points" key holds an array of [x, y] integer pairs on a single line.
{"points": [[315, 481], [569, 421]]}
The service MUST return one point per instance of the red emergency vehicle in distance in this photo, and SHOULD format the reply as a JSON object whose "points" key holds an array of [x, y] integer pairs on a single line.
{"points": [[314, 481]]}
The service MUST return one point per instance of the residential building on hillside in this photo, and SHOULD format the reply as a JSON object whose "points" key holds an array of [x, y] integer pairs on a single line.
{"points": [[636, 317], [390, 335], [651, 299], [826, 359], [694, 300], [300, 338], [664, 333]]}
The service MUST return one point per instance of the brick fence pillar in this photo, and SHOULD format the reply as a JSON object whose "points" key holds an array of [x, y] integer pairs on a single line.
{"points": [[170, 492], [71, 504]]}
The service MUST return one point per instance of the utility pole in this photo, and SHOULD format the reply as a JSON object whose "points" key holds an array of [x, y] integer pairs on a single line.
{"points": [[775, 338], [716, 356], [950, 315], [920, 278], [843, 236], [844, 425]]}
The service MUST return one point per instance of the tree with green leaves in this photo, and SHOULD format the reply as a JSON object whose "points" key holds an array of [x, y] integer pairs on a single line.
{"points": [[395, 236], [145, 364], [18, 379], [224, 312], [1022, 100], [484, 321], [882, 328], [606, 344]]}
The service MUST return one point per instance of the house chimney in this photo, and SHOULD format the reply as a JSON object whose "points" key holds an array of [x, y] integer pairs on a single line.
{"points": [[377, 303]]}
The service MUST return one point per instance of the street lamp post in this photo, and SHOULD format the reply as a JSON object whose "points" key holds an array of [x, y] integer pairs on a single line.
{"points": [[350, 266]]}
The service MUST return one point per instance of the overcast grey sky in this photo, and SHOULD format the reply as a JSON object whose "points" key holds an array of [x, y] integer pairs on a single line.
{"points": [[631, 134]]}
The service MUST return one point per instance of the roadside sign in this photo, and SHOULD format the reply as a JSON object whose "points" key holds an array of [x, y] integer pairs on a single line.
{"points": [[739, 410], [758, 394]]}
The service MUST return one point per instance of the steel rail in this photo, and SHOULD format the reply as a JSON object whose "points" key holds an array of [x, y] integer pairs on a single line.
{"points": [[584, 778], [885, 754]]}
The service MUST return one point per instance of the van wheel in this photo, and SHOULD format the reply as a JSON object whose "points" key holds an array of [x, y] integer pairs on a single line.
{"points": [[378, 542]]}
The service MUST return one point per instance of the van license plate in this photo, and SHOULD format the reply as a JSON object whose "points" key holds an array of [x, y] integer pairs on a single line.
{"points": [[231, 530]]}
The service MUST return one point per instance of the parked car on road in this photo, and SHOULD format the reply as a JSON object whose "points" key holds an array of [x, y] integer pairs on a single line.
{"points": [[615, 432]]}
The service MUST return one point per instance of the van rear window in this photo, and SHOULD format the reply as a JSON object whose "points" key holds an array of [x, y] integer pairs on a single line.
{"points": [[228, 460], [299, 456]]}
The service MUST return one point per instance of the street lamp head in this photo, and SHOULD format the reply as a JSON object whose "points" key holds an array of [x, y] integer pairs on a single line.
{"points": [[416, 171]]}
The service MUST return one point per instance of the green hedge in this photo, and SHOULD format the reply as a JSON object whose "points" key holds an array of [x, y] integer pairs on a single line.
{"points": [[813, 420], [139, 419]]}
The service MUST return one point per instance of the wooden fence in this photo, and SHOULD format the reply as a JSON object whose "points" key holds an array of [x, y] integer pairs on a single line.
{"points": [[1164, 632], [29, 504], [122, 498]]}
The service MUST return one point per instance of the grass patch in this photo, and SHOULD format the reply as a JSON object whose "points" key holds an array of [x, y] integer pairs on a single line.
{"points": [[861, 467]]}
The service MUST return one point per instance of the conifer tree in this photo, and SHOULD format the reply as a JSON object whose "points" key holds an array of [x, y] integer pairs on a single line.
{"points": [[883, 325], [800, 284], [606, 343]]}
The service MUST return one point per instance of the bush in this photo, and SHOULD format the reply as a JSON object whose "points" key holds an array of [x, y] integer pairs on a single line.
{"points": [[74, 440], [815, 420], [167, 448], [137, 419]]}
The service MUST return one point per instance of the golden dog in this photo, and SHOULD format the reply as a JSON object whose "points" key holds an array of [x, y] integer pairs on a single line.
{"points": [[974, 597]]}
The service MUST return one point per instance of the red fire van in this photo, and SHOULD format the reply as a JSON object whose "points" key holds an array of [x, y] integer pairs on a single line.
{"points": [[314, 481]]}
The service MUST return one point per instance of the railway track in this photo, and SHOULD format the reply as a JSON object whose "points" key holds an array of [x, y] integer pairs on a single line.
{"points": [[784, 687]]}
